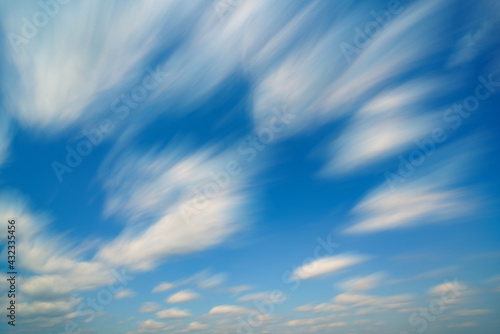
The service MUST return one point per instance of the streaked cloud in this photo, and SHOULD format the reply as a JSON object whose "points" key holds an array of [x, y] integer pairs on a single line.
{"points": [[471, 313], [414, 204], [45, 85], [125, 294], [363, 283], [272, 296], [327, 265], [164, 286], [228, 310], [151, 324], [173, 313], [358, 300], [183, 296], [149, 307]]}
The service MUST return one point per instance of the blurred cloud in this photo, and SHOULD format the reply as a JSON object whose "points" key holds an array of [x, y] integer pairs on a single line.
{"points": [[183, 296], [70, 63], [326, 265], [173, 313], [225, 310], [363, 283]]}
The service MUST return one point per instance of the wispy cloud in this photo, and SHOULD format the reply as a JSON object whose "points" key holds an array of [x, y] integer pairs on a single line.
{"points": [[159, 188], [71, 64], [164, 286], [435, 197], [149, 307], [225, 310], [125, 294], [327, 265], [363, 283], [183, 296], [173, 313]]}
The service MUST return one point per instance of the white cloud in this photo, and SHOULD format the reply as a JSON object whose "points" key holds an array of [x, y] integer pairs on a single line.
{"points": [[463, 325], [273, 296], [151, 324], [197, 326], [326, 326], [158, 188], [5, 137], [54, 264], [404, 39], [455, 288], [327, 265], [358, 300], [327, 307], [471, 313], [305, 322], [212, 281], [163, 286], [229, 310], [412, 204], [239, 289], [183, 296], [480, 34], [173, 313], [49, 308], [125, 294], [304, 308], [386, 124], [363, 283], [149, 307], [316, 94], [46, 88]]}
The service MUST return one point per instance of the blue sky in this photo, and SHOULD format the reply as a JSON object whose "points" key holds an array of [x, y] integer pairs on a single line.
{"points": [[251, 166]]}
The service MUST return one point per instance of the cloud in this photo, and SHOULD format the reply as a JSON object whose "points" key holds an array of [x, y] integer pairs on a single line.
{"points": [[455, 287], [81, 276], [327, 265], [446, 271], [213, 281], [50, 308], [404, 39], [317, 94], [326, 326], [469, 45], [320, 308], [149, 307], [157, 187], [164, 286], [304, 308], [151, 324], [171, 235], [358, 300], [463, 325], [306, 322], [239, 289], [197, 326], [183, 296], [421, 201], [479, 35], [273, 296], [53, 264], [386, 124], [5, 137], [173, 313], [228, 310], [471, 313], [363, 283], [125, 294], [45, 83]]}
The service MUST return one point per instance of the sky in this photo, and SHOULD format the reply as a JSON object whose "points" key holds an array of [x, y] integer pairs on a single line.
{"points": [[237, 166]]}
